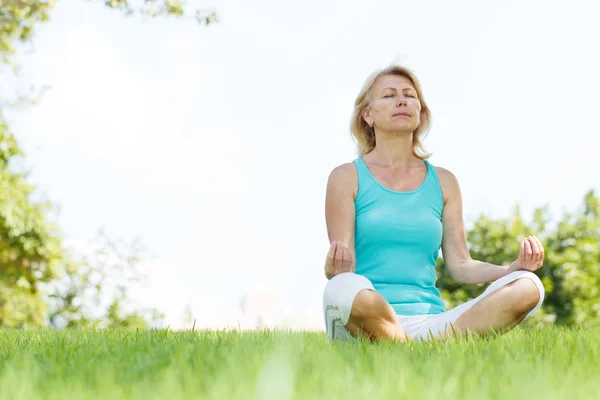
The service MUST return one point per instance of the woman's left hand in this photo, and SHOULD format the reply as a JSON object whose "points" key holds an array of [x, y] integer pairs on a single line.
{"points": [[531, 256]]}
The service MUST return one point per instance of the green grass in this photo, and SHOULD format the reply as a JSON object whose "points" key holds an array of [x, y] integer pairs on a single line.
{"points": [[552, 363]]}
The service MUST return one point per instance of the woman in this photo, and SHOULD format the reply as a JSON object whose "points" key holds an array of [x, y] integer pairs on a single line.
{"points": [[388, 214]]}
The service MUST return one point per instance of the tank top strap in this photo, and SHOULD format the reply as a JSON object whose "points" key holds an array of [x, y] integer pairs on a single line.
{"points": [[436, 181], [364, 180], [361, 168]]}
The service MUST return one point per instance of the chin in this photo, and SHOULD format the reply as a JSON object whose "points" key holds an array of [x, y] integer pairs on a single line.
{"points": [[404, 127]]}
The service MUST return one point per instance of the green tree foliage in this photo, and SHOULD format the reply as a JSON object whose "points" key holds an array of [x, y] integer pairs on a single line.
{"points": [[30, 243], [18, 18], [571, 271], [41, 281], [155, 8], [94, 291]]}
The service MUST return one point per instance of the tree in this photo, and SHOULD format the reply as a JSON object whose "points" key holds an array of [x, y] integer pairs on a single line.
{"points": [[573, 267], [41, 281], [30, 243], [17, 21], [18, 18], [571, 271], [94, 289]]}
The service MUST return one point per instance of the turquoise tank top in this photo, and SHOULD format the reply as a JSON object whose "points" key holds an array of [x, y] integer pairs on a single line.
{"points": [[397, 241]]}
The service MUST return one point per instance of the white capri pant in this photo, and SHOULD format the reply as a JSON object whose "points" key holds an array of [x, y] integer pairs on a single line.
{"points": [[341, 290]]}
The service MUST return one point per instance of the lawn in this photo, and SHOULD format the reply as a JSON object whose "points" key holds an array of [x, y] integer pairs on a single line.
{"points": [[553, 363]]}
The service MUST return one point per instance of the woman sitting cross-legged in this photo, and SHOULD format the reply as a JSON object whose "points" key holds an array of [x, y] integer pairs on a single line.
{"points": [[389, 212]]}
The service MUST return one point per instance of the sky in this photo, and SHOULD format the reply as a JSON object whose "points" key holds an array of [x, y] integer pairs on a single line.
{"points": [[214, 144]]}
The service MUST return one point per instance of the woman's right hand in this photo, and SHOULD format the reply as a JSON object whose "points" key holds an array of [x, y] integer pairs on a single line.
{"points": [[339, 259]]}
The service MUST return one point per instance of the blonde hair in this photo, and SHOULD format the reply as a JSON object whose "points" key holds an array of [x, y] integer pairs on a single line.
{"points": [[365, 135]]}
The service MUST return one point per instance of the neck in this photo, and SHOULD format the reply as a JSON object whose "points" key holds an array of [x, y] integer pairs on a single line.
{"points": [[394, 149]]}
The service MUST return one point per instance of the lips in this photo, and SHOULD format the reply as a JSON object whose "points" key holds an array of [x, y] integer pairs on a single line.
{"points": [[402, 114]]}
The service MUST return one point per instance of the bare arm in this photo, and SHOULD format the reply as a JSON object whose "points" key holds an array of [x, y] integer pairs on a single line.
{"points": [[342, 186], [456, 255], [461, 266]]}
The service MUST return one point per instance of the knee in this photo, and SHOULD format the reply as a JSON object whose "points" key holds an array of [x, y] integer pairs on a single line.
{"points": [[362, 310], [528, 292], [370, 305]]}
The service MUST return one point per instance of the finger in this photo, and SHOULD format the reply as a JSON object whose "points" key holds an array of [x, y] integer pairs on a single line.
{"points": [[540, 246], [522, 252], [528, 251], [541, 257], [346, 259], [339, 252], [534, 248], [330, 254]]}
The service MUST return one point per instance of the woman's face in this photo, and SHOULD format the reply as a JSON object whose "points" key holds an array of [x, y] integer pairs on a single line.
{"points": [[394, 106]]}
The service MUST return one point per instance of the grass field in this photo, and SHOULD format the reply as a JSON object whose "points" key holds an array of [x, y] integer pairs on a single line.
{"points": [[554, 363]]}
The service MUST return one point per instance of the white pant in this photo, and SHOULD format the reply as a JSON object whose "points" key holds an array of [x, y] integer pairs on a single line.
{"points": [[340, 291]]}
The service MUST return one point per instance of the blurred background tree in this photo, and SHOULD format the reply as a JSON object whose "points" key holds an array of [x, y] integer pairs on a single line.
{"points": [[94, 289], [18, 18], [42, 282], [571, 271], [30, 243]]}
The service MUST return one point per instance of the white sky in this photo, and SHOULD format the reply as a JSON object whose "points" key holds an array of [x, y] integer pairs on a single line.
{"points": [[214, 144]]}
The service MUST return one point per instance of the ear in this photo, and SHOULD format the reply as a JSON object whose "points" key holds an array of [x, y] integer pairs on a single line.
{"points": [[367, 116]]}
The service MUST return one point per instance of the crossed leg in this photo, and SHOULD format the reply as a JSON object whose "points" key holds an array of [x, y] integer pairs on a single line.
{"points": [[374, 318], [499, 311]]}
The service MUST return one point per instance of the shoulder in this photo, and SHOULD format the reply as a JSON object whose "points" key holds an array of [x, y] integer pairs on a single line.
{"points": [[343, 177], [446, 176], [448, 182]]}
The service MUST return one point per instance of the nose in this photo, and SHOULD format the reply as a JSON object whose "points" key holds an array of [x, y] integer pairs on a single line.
{"points": [[402, 101]]}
